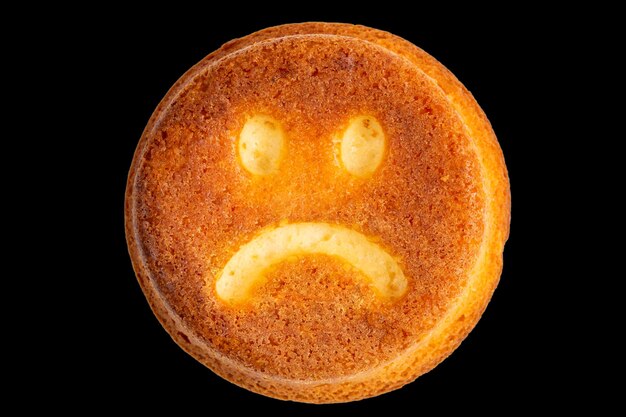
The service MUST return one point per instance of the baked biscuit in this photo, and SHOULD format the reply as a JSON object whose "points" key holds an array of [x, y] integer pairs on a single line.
{"points": [[317, 212]]}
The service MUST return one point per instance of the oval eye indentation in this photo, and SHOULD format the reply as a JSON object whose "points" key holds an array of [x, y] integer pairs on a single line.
{"points": [[261, 144], [362, 146]]}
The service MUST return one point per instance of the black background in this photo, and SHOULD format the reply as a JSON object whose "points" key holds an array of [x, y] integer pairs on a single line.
{"points": [[125, 358]]}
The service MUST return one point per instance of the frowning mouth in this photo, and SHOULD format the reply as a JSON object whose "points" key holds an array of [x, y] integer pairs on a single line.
{"points": [[247, 266]]}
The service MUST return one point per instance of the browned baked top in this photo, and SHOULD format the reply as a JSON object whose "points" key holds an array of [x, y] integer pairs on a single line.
{"points": [[194, 205]]}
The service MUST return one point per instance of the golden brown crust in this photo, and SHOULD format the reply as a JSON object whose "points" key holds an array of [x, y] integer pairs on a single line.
{"points": [[186, 198]]}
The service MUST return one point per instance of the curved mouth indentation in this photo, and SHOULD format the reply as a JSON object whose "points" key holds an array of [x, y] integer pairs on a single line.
{"points": [[247, 265]]}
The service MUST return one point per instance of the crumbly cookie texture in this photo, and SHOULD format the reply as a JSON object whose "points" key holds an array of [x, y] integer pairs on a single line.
{"points": [[317, 212]]}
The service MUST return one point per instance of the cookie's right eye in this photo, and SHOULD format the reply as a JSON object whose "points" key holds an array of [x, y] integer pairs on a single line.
{"points": [[261, 145], [362, 146]]}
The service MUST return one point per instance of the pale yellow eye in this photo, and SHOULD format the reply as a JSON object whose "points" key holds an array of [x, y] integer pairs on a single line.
{"points": [[261, 145], [362, 146]]}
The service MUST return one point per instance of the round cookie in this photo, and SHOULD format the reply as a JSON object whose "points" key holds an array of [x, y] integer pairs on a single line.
{"points": [[317, 212]]}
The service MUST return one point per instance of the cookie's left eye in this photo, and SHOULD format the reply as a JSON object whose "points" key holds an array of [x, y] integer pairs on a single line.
{"points": [[261, 145], [362, 146]]}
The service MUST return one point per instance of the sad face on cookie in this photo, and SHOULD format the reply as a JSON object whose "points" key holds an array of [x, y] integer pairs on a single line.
{"points": [[360, 148], [306, 209]]}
